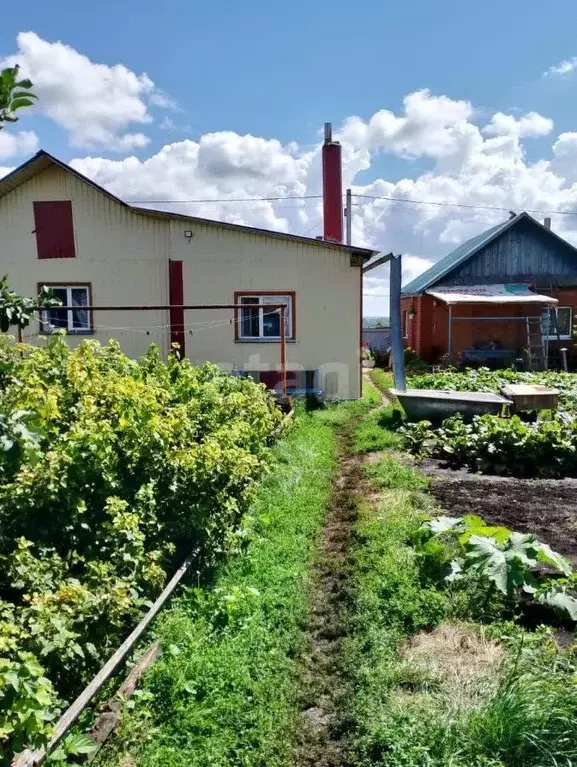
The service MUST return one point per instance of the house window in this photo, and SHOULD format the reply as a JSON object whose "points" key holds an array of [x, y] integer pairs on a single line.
{"points": [[54, 229], [558, 322], [258, 323], [406, 320], [77, 320]]}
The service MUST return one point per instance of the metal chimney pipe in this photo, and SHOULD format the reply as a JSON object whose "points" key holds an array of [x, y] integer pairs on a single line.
{"points": [[332, 188], [547, 223]]}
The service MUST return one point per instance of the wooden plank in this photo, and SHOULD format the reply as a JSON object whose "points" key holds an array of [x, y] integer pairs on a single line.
{"points": [[29, 758], [531, 397], [110, 717]]}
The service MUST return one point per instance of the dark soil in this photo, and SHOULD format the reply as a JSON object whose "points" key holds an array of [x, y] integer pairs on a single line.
{"points": [[324, 683], [546, 507]]}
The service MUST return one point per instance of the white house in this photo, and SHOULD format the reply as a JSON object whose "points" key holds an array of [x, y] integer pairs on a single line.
{"points": [[58, 228]]}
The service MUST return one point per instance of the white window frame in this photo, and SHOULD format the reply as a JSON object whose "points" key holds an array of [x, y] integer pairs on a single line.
{"points": [[266, 298], [562, 336], [47, 327], [406, 321]]}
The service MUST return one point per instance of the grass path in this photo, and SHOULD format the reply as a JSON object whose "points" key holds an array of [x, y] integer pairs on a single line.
{"points": [[324, 683], [226, 690]]}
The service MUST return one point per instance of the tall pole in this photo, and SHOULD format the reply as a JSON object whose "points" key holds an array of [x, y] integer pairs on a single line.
{"points": [[450, 338], [397, 346], [349, 215], [283, 350]]}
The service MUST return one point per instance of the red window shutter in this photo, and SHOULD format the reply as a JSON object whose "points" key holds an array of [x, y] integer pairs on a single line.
{"points": [[54, 229], [176, 298]]}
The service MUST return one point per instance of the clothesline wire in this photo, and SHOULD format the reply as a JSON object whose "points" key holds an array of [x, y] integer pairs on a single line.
{"points": [[146, 328]]}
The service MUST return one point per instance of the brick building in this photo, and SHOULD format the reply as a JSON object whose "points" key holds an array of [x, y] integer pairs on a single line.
{"points": [[510, 291]]}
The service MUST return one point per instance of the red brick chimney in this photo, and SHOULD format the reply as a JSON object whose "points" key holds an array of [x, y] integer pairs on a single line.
{"points": [[332, 188]]}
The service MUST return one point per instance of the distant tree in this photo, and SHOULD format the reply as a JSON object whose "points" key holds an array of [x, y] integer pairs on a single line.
{"points": [[377, 322], [15, 94]]}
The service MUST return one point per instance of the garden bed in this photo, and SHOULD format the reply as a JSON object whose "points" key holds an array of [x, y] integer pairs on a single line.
{"points": [[546, 507], [523, 446]]}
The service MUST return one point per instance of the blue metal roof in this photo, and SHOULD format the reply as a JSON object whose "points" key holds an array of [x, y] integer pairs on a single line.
{"points": [[455, 257]]}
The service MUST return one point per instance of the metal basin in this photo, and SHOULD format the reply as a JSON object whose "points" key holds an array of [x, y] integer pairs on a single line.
{"points": [[435, 405]]}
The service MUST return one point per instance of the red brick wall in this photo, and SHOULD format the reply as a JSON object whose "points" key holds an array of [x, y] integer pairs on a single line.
{"points": [[428, 330]]}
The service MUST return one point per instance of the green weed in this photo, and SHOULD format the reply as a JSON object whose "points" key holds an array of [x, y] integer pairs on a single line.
{"points": [[375, 430]]}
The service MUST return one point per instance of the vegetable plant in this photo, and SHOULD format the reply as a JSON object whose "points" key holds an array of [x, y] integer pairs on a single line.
{"points": [[493, 445], [483, 379], [452, 548]]}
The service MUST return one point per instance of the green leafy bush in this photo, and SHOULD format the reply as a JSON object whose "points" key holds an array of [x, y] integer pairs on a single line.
{"points": [[110, 471], [493, 445]]}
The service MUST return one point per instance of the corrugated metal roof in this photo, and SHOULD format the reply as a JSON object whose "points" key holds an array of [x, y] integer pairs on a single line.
{"points": [[457, 256]]}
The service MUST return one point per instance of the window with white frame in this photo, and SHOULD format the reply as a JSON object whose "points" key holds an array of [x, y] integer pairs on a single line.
{"points": [[76, 320], [261, 324], [406, 321], [558, 322]]}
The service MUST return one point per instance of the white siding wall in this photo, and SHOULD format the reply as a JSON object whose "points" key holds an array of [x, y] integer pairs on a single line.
{"points": [[125, 257], [218, 262]]}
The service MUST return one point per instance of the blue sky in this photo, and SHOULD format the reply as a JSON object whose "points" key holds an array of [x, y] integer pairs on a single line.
{"points": [[276, 69], [275, 72]]}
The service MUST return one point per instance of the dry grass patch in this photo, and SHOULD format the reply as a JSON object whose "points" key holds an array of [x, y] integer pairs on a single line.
{"points": [[453, 662]]}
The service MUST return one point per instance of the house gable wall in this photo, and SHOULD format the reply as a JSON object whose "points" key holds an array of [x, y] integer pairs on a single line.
{"points": [[121, 255], [523, 253], [124, 255]]}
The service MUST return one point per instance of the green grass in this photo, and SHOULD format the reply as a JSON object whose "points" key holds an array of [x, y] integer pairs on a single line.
{"points": [[376, 430], [520, 713], [382, 379], [390, 473], [225, 690]]}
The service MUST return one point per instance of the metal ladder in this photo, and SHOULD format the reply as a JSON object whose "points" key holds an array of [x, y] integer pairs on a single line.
{"points": [[536, 344]]}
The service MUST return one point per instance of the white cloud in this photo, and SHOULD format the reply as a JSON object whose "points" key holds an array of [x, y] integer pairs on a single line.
{"points": [[22, 143], [565, 157], [94, 102], [219, 166], [482, 166], [532, 124], [162, 100], [562, 69], [432, 126], [475, 167]]}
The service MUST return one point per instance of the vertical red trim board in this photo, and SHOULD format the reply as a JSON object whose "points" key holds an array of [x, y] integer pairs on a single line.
{"points": [[361, 332], [176, 298]]}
